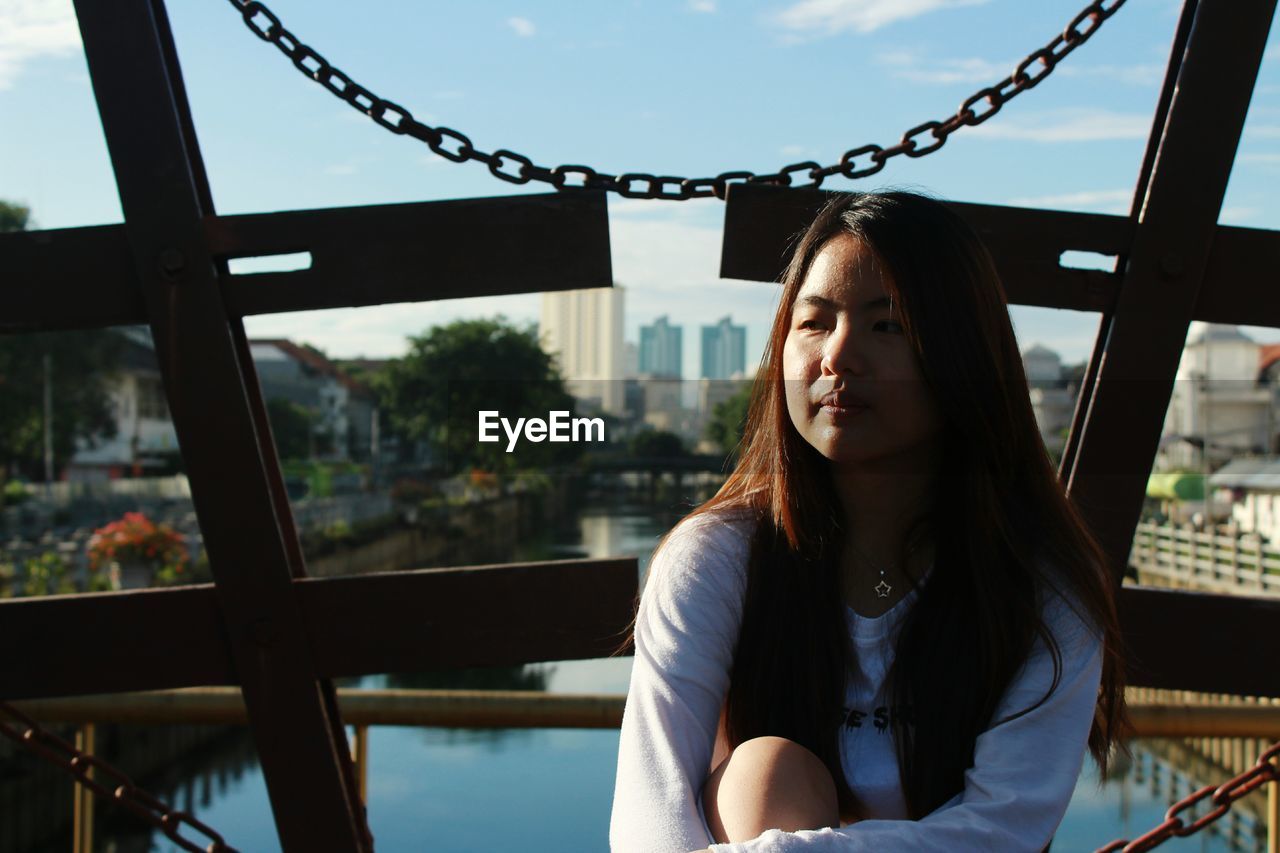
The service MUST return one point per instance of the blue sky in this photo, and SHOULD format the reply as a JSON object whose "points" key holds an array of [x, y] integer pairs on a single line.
{"points": [[687, 87]]}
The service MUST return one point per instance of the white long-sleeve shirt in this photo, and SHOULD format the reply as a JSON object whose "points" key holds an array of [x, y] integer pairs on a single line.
{"points": [[1014, 795]]}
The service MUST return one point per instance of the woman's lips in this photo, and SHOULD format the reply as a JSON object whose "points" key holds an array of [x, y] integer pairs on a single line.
{"points": [[846, 411]]}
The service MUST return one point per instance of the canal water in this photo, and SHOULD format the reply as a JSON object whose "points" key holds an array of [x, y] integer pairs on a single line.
{"points": [[550, 790]]}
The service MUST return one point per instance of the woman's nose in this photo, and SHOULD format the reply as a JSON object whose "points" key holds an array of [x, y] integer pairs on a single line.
{"points": [[841, 352]]}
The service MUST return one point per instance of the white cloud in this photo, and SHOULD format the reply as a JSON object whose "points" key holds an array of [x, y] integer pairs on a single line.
{"points": [[1266, 131], [30, 29], [1094, 201], [831, 17], [911, 65], [1238, 213], [702, 5], [340, 169], [955, 71], [1066, 125], [797, 151], [1135, 75], [523, 27]]}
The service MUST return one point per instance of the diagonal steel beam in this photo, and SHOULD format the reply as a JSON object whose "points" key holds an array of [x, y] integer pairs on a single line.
{"points": [[253, 550], [1166, 265]]}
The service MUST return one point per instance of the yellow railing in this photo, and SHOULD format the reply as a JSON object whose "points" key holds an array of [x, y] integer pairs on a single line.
{"points": [[362, 708]]}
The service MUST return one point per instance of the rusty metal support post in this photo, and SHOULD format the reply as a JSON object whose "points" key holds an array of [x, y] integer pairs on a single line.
{"points": [[82, 808], [1273, 815], [360, 758]]}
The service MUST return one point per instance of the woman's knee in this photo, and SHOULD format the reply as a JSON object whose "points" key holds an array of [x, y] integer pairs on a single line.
{"points": [[769, 783]]}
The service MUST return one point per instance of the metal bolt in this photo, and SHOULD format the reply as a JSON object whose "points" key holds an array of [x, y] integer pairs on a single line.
{"points": [[172, 263], [1171, 265], [264, 632]]}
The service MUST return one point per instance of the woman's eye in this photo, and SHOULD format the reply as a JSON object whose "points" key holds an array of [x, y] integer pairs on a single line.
{"points": [[894, 323], [810, 324]]}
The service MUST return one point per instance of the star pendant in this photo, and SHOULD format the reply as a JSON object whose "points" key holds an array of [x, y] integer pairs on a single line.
{"points": [[882, 589]]}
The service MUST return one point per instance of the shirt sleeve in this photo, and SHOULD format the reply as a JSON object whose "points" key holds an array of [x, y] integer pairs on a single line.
{"points": [[686, 630], [1024, 770]]}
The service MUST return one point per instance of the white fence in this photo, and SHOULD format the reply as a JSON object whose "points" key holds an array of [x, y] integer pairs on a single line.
{"points": [[1209, 561]]}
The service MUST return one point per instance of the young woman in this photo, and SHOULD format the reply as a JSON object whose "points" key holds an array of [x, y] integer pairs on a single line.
{"points": [[889, 630]]}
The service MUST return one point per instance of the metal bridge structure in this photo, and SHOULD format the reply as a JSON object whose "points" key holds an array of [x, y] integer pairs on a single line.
{"points": [[264, 627]]}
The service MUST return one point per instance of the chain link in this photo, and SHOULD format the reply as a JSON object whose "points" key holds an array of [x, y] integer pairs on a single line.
{"points": [[1222, 797], [455, 146], [124, 793]]}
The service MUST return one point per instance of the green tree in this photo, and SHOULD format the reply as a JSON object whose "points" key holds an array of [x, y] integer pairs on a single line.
{"points": [[653, 443], [14, 217], [453, 372], [291, 425], [82, 364], [728, 419]]}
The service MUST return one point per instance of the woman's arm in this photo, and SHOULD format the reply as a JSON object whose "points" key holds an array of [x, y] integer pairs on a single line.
{"points": [[1024, 771], [686, 629]]}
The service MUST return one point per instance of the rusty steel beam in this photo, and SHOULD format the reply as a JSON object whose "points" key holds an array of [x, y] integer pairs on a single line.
{"points": [[360, 256], [473, 709], [482, 616], [511, 709], [68, 278], [761, 224], [1183, 640], [144, 639], [1166, 267], [1239, 279], [418, 252], [45, 270], [410, 621], [159, 174]]}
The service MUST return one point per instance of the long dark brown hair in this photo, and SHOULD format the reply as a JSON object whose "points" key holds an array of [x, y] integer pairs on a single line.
{"points": [[999, 519]]}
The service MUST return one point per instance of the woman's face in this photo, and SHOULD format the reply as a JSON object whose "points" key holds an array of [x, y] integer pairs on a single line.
{"points": [[853, 385]]}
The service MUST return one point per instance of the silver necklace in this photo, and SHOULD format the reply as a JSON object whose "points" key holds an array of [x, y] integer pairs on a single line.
{"points": [[883, 588]]}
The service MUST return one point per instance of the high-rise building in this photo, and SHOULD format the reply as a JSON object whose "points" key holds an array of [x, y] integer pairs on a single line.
{"points": [[724, 350], [582, 330], [661, 348]]}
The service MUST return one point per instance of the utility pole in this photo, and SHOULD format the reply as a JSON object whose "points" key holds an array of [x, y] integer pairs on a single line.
{"points": [[48, 427]]}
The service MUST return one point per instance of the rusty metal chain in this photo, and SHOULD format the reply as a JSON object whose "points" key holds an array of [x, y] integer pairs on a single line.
{"points": [[859, 162], [57, 751], [1223, 796]]}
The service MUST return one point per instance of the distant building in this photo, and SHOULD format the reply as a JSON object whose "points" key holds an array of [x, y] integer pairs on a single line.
{"points": [[630, 360], [661, 349], [663, 404], [582, 330], [1251, 485], [1051, 400], [145, 438], [724, 350], [344, 409], [1221, 404]]}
